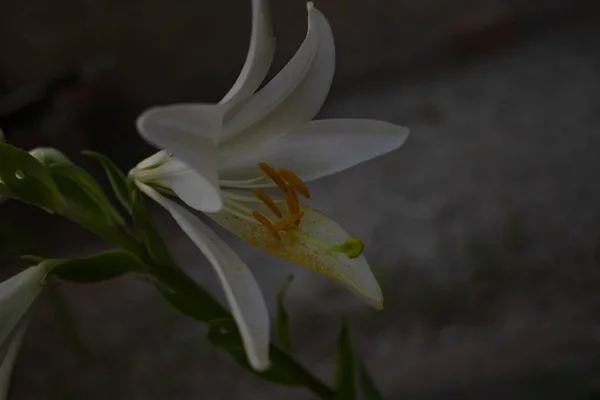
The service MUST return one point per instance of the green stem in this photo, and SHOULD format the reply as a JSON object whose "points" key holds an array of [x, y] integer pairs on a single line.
{"points": [[204, 307], [210, 309]]}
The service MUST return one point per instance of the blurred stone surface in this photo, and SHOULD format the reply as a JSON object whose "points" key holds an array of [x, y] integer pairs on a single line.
{"points": [[469, 311]]}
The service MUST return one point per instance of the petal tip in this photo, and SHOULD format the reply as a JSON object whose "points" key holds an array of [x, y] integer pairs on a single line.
{"points": [[310, 6], [259, 360]]}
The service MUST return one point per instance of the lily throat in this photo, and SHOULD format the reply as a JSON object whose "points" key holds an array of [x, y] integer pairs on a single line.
{"points": [[279, 216]]}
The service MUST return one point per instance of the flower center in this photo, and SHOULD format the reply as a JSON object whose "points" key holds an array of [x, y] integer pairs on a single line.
{"points": [[286, 219]]}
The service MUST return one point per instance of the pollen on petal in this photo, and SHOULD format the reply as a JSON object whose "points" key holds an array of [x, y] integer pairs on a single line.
{"points": [[267, 224], [268, 201], [271, 173], [295, 182]]}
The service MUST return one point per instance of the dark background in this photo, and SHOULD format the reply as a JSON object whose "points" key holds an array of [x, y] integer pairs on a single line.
{"points": [[483, 229]]}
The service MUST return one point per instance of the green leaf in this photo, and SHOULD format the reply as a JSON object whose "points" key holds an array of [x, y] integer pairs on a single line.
{"points": [[84, 194], [283, 320], [49, 156], [144, 224], [96, 268], [369, 389], [223, 333], [199, 306], [117, 180], [27, 179], [5, 191], [345, 385]]}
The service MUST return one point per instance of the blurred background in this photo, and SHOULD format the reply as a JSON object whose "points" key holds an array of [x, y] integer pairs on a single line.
{"points": [[484, 229]]}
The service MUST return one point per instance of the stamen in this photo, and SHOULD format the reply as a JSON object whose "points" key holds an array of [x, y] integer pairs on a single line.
{"points": [[291, 199], [247, 199], [263, 220], [271, 173], [239, 215], [246, 181], [237, 205], [285, 222], [268, 201], [296, 182]]}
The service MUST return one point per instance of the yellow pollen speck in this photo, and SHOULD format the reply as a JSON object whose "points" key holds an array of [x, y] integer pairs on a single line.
{"points": [[296, 182], [285, 222], [263, 220], [271, 173], [262, 196]]}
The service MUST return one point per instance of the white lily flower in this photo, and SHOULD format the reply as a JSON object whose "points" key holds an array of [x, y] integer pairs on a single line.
{"points": [[17, 298], [218, 158]]}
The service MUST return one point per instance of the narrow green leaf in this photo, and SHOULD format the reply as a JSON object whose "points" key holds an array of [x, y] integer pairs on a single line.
{"points": [[117, 179], [283, 320], [345, 382], [49, 156], [83, 192], [201, 307], [194, 302], [26, 179], [144, 224], [223, 333], [369, 389], [98, 267]]}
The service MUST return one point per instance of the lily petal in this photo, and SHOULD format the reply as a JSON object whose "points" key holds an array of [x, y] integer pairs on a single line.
{"points": [[260, 54], [189, 185], [8, 354], [355, 274], [17, 295], [189, 132], [317, 149], [295, 95], [243, 293]]}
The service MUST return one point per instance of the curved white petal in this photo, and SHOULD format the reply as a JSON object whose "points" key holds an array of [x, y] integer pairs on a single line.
{"points": [[260, 55], [8, 354], [243, 293], [355, 274], [17, 297], [155, 159], [317, 149], [189, 132], [189, 185], [295, 95], [17, 294]]}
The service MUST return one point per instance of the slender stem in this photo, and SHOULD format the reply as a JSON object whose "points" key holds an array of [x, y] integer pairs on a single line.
{"points": [[211, 309], [205, 308]]}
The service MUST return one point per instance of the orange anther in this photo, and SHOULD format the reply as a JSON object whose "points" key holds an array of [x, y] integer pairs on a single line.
{"points": [[263, 220], [291, 199], [271, 173], [296, 182], [285, 222], [262, 196]]}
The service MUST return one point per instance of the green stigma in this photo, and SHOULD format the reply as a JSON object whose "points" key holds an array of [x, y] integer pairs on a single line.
{"points": [[352, 247]]}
